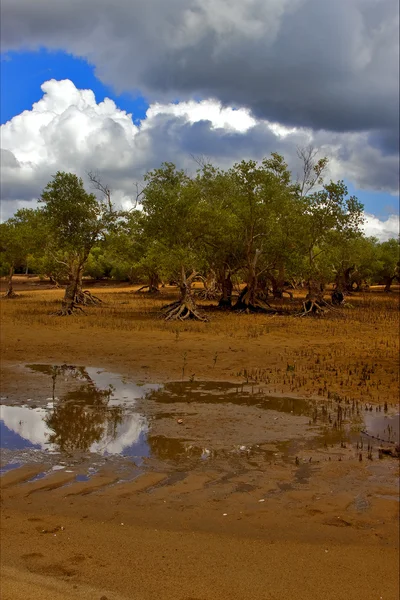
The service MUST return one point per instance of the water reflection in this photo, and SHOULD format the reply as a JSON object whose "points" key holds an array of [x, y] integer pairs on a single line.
{"points": [[96, 416], [382, 427], [99, 414], [83, 418], [209, 392], [57, 371], [22, 427]]}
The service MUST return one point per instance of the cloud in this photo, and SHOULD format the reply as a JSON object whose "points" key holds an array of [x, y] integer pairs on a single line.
{"points": [[207, 110], [30, 425], [301, 63], [67, 129], [382, 229]]}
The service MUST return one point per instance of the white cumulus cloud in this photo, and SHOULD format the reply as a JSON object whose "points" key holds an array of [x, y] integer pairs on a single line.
{"points": [[206, 110], [383, 229], [68, 130]]}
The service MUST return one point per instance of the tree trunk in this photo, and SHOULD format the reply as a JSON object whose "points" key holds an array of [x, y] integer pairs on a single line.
{"points": [[131, 276], [210, 290], [347, 279], [314, 303], [227, 287], [10, 291], [152, 286], [278, 284], [343, 280], [388, 283], [154, 282], [69, 305], [278, 289], [185, 307], [84, 297], [53, 281], [249, 299]]}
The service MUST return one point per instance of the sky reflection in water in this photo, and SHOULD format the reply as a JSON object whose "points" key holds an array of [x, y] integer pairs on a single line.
{"points": [[99, 414]]}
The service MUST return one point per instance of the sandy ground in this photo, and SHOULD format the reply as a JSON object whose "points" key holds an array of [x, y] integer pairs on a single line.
{"points": [[224, 530], [201, 537]]}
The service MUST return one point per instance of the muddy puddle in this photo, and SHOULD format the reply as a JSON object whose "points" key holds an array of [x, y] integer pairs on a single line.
{"points": [[88, 416]]}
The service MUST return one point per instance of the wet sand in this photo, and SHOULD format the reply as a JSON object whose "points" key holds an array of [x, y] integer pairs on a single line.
{"points": [[191, 540]]}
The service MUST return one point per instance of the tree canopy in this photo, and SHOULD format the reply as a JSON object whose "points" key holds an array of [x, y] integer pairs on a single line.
{"points": [[252, 225]]}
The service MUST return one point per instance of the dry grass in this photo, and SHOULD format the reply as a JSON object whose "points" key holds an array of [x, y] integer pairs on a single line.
{"points": [[354, 355]]}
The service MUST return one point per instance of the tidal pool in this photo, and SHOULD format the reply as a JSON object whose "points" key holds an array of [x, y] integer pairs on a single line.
{"points": [[87, 412], [96, 416]]}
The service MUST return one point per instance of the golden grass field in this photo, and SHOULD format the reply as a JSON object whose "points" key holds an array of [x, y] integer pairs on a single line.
{"points": [[353, 354]]}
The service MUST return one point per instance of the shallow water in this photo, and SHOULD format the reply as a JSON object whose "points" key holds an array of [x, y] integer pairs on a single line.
{"points": [[96, 416], [383, 427], [104, 415]]}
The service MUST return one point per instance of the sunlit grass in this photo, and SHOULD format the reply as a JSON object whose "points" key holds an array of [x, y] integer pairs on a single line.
{"points": [[354, 353]]}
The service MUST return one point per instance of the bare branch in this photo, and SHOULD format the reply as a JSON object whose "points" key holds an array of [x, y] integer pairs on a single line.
{"points": [[101, 187], [61, 262], [139, 193], [201, 160], [313, 169]]}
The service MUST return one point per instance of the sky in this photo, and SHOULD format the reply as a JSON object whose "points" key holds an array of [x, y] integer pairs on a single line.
{"points": [[120, 86]]}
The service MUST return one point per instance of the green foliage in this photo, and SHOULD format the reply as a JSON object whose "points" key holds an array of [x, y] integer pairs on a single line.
{"points": [[75, 218], [98, 265], [327, 214], [19, 236], [76, 221], [250, 221], [388, 260], [172, 228]]}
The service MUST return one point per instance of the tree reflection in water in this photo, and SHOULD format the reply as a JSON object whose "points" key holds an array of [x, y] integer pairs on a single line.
{"points": [[82, 417]]}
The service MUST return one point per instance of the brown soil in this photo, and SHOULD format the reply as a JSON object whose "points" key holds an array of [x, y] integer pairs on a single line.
{"points": [[203, 534]]}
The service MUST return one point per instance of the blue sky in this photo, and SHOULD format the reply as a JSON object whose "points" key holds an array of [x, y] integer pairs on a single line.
{"points": [[377, 203], [22, 74]]}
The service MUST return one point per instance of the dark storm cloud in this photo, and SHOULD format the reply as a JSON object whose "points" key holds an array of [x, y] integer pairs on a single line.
{"points": [[312, 63], [223, 145], [386, 141]]}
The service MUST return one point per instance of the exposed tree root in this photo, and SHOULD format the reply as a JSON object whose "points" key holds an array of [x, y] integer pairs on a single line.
{"points": [[316, 306], [256, 304], [393, 452], [278, 294], [67, 310], [337, 297], [86, 298], [56, 285], [181, 310], [211, 290], [312, 307], [185, 307], [207, 294], [10, 294], [151, 289]]}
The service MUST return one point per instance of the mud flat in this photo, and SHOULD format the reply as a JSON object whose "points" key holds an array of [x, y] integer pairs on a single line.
{"points": [[192, 490], [234, 459]]}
